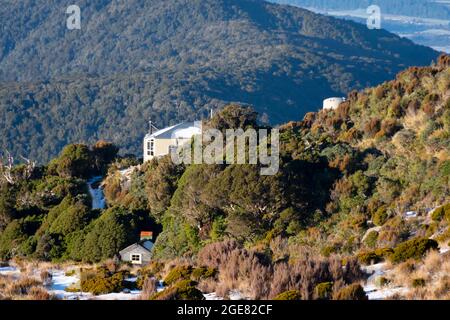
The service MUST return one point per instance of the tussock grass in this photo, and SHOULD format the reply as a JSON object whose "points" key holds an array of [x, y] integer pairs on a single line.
{"points": [[433, 270]]}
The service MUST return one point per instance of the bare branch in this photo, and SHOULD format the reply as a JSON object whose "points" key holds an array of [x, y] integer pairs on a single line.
{"points": [[7, 165]]}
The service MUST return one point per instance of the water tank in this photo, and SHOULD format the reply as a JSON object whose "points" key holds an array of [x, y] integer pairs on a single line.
{"points": [[332, 103]]}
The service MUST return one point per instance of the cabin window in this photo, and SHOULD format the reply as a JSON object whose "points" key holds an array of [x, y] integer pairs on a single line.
{"points": [[136, 258], [151, 147]]}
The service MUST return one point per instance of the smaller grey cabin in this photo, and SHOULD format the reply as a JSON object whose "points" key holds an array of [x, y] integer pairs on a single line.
{"points": [[138, 253]]}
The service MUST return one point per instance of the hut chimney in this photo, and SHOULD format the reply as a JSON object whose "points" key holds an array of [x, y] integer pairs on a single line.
{"points": [[146, 235]]}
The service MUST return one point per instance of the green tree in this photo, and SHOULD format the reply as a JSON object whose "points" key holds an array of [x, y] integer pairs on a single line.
{"points": [[75, 160], [103, 153], [11, 239], [7, 211], [161, 182], [113, 231], [234, 117], [74, 217]]}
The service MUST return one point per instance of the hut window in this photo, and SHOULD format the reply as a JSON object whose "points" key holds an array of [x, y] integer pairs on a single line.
{"points": [[151, 147], [135, 258]]}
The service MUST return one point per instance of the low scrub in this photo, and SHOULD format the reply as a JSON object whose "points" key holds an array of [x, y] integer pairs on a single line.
{"points": [[380, 216], [182, 290], [418, 283], [367, 258], [382, 281], [202, 273], [253, 272], [323, 291], [371, 239], [178, 273], [412, 249], [351, 292], [289, 295], [149, 288], [375, 256], [102, 281], [441, 213], [150, 271]]}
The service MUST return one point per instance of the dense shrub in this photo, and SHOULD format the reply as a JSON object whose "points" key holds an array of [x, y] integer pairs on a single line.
{"points": [[418, 283], [73, 215], [73, 288], [372, 127], [233, 117], [437, 214], [11, 238], [161, 179], [381, 281], [103, 153], [203, 273], [384, 252], [412, 249], [351, 292], [102, 281], [441, 213], [328, 250], [394, 230], [380, 216], [182, 290], [75, 160], [371, 239], [178, 273], [323, 291], [289, 295], [444, 236], [51, 190], [370, 257], [149, 271], [115, 229]]}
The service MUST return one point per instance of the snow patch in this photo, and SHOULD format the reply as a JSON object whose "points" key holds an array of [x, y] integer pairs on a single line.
{"points": [[7, 271], [212, 296], [373, 291], [233, 295], [60, 282], [98, 198], [132, 295], [385, 293]]}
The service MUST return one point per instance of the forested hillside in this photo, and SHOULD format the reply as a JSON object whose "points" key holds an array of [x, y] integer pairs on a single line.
{"points": [[172, 61], [383, 152], [365, 183]]}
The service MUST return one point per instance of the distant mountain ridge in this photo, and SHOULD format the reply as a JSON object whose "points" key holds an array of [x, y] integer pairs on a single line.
{"points": [[420, 8], [173, 61]]}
